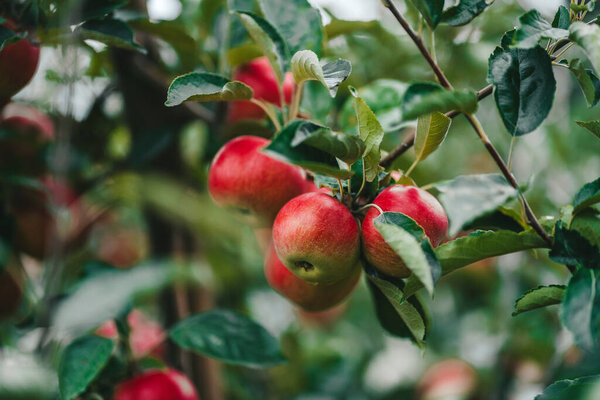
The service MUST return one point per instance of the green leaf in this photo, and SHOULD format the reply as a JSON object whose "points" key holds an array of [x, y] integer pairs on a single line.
{"points": [[468, 197], [228, 336], [571, 248], [306, 67], [298, 23], [345, 147], [589, 194], [571, 389], [81, 362], [105, 295], [588, 81], [588, 38], [405, 237], [111, 32], [431, 10], [8, 36], [289, 146], [204, 86], [371, 133], [592, 126], [431, 132], [580, 312], [269, 40], [478, 246], [464, 12], [534, 28], [562, 18], [425, 98], [92, 9], [525, 87], [411, 317], [542, 296]]}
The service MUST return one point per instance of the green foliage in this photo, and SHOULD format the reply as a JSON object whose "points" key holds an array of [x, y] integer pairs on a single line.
{"points": [[290, 146], [534, 28], [466, 198], [588, 38], [592, 126], [571, 248], [408, 241], [112, 32], [525, 87], [431, 10], [588, 195], [540, 297], [424, 98], [306, 67], [81, 362], [561, 18], [464, 12], [297, 22], [431, 132], [568, 389], [228, 336], [580, 312], [203, 86], [588, 81], [371, 133]]}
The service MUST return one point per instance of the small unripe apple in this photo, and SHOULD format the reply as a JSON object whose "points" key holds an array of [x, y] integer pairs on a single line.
{"points": [[157, 385], [259, 75], [414, 202], [308, 296], [18, 62], [252, 184], [317, 238], [451, 378]]}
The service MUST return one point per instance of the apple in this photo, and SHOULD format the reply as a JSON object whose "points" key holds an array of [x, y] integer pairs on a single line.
{"points": [[146, 337], [414, 202], [29, 118], [325, 319], [451, 378], [157, 385], [121, 247], [18, 62], [252, 184], [317, 238], [259, 75], [308, 296]]}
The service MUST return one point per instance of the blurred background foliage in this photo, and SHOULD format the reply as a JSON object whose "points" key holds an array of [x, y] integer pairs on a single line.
{"points": [[149, 169]]}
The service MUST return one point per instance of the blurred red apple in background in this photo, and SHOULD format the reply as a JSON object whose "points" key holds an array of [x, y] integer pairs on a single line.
{"points": [[448, 379], [157, 385]]}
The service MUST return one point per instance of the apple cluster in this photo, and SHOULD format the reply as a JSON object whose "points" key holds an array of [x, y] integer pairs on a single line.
{"points": [[315, 244]]}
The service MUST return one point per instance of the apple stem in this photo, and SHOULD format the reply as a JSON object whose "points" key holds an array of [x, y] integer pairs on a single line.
{"points": [[367, 206], [272, 116], [410, 169], [364, 178], [341, 190], [296, 97]]}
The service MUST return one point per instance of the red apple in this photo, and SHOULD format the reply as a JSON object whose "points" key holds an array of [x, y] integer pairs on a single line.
{"points": [[122, 247], [317, 238], [416, 203], [259, 75], [157, 385], [451, 378], [18, 62], [308, 296], [256, 186], [31, 119]]}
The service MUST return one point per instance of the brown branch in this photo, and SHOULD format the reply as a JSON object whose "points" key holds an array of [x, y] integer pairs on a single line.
{"points": [[531, 218], [410, 139]]}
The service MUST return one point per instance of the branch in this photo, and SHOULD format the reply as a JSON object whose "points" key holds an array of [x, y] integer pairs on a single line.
{"points": [[531, 219]]}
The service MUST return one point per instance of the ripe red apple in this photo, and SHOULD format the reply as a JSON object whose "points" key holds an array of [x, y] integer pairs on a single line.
{"points": [[157, 385], [308, 296], [451, 378], [29, 119], [18, 62], [317, 238], [259, 75], [416, 203], [255, 185]]}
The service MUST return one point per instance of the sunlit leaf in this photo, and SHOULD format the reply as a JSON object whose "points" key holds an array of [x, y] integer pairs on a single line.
{"points": [[542, 296], [204, 86], [306, 66], [431, 132], [592, 126], [371, 133], [588, 38]]}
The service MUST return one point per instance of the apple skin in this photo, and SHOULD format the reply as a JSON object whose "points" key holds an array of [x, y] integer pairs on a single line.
{"points": [[414, 202], [30, 118], [307, 296], [18, 63], [259, 75], [157, 385], [450, 378], [255, 185], [317, 238]]}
